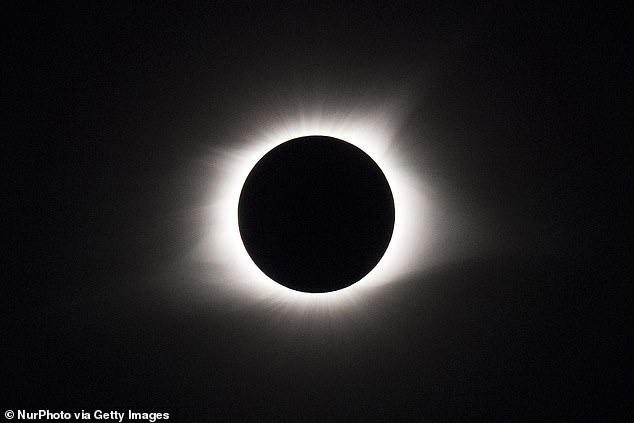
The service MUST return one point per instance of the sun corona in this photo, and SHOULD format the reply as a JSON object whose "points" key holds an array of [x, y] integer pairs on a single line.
{"points": [[223, 246]]}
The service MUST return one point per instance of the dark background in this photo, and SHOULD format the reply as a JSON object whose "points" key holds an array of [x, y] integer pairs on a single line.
{"points": [[109, 106]]}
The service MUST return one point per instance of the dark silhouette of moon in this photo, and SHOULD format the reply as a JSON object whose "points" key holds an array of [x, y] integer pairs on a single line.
{"points": [[316, 214]]}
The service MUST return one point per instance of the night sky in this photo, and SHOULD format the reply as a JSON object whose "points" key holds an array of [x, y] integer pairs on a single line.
{"points": [[124, 121]]}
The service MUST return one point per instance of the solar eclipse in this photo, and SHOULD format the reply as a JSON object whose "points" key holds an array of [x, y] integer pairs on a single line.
{"points": [[224, 267], [316, 214]]}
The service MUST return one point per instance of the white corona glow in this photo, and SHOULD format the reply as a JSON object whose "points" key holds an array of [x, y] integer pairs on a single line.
{"points": [[233, 269]]}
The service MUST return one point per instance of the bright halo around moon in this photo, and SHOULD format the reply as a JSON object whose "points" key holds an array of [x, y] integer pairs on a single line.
{"points": [[234, 272]]}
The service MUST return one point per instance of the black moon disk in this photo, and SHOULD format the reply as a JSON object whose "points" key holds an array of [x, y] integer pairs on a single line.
{"points": [[316, 214]]}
